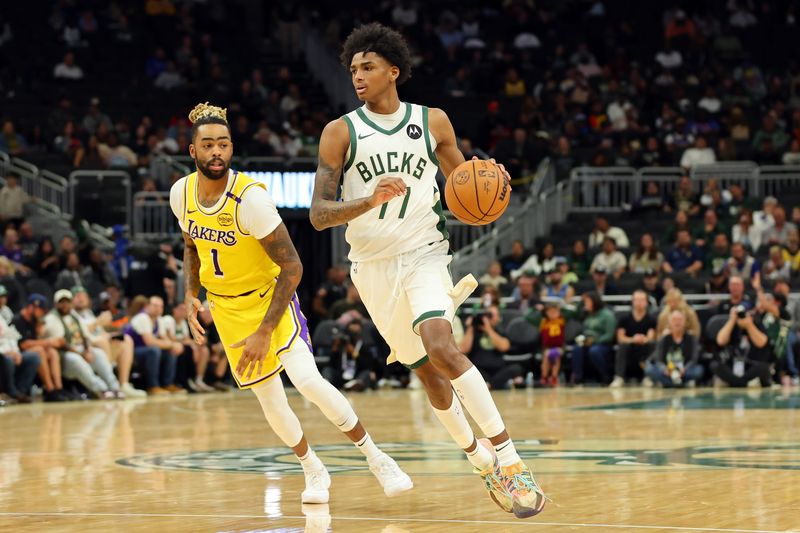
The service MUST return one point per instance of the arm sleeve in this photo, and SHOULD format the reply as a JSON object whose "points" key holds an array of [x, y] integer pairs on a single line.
{"points": [[176, 201], [259, 216]]}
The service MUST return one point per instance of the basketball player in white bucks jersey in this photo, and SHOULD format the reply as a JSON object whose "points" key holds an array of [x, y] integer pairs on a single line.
{"points": [[388, 153]]}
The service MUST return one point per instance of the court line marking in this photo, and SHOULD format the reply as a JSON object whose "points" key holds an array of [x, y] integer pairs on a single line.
{"points": [[401, 519]]}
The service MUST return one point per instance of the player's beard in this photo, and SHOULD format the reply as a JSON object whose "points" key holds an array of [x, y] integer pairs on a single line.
{"points": [[213, 174]]}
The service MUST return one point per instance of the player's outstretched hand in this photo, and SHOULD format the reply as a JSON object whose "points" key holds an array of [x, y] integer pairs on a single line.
{"points": [[255, 350], [501, 166], [387, 189], [193, 305]]}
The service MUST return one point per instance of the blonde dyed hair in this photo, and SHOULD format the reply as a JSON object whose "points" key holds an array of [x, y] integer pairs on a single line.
{"points": [[208, 111]]}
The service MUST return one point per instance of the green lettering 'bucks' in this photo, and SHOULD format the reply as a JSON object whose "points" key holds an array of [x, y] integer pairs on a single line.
{"points": [[404, 150]]}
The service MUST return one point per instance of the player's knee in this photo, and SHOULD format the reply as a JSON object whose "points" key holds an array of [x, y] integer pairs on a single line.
{"points": [[445, 356], [437, 386]]}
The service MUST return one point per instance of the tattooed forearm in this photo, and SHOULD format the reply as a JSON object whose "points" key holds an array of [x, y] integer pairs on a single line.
{"points": [[281, 250], [326, 211], [191, 267]]}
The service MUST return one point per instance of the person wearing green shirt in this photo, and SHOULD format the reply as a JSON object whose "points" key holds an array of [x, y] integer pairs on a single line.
{"points": [[718, 254], [596, 339], [705, 232], [579, 260]]}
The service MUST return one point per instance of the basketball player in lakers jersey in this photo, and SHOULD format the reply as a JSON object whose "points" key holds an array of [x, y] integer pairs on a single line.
{"points": [[239, 250], [386, 155]]}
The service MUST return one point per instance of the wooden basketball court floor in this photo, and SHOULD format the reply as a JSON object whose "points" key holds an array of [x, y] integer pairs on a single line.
{"points": [[635, 460]]}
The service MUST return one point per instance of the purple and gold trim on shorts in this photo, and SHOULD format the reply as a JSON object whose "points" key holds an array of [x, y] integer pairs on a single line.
{"points": [[258, 380], [300, 327]]}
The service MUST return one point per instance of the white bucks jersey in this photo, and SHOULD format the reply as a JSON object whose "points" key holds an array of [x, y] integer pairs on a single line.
{"points": [[405, 151]]}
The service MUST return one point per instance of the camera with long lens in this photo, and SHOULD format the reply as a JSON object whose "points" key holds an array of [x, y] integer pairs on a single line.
{"points": [[741, 312]]}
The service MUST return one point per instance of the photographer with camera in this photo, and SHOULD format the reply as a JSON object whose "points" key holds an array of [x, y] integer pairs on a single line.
{"points": [[354, 361], [745, 354], [485, 346]]}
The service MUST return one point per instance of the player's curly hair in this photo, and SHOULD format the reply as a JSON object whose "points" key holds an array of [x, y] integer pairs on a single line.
{"points": [[206, 113], [382, 40]]}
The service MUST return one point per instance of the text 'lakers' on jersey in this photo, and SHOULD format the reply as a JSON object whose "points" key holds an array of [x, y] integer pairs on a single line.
{"points": [[404, 149], [232, 262]]}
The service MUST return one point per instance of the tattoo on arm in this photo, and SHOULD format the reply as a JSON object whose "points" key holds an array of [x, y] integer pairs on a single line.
{"points": [[281, 250], [191, 267], [326, 211]]}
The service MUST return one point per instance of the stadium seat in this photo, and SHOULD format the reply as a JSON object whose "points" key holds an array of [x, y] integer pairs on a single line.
{"points": [[42, 287], [523, 337]]}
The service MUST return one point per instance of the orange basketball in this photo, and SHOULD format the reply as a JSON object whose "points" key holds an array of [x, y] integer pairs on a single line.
{"points": [[477, 192]]}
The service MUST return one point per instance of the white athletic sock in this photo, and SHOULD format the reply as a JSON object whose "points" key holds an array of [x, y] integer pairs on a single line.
{"points": [[477, 399], [507, 454], [309, 460], [456, 423], [480, 457], [368, 448]]}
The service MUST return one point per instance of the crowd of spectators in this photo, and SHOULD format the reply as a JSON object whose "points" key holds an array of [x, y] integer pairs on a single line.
{"points": [[562, 79], [719, 243], [606, 82], [75, 321], [183, 55], [600, 83]]}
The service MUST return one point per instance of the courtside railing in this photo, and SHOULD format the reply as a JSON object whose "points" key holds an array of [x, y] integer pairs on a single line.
{"points": [[609, 189], [152, 216], [49, 190], [531, 220]]}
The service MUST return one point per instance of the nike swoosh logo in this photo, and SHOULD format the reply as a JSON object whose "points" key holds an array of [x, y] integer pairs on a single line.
{"points": [[365, 136], [190, 211], [262, 294]]}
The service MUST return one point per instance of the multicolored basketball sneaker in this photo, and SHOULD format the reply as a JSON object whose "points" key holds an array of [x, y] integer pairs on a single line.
{"points": [[526, 495], [493, 480]]}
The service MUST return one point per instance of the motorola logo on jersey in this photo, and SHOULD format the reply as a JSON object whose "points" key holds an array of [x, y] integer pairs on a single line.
{"points": [[414, 131], [228, 238]]}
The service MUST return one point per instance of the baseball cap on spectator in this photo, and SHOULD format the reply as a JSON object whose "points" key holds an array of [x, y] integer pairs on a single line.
{"points": [[600, 270], [63, 294], [37, 300], [77, 289], [649, 273], [3, 290], [718, 271]]}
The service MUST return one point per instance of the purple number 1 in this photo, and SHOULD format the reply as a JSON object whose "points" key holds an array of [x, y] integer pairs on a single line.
{"points": [[215, 259]]}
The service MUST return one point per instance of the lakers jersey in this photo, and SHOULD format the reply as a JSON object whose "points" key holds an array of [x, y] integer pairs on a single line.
{"points": [[406, 150], [232, 262]]}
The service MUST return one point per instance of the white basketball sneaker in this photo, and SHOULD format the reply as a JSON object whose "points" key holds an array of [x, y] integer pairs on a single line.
{"points": [[391, 477], [318, 481]]}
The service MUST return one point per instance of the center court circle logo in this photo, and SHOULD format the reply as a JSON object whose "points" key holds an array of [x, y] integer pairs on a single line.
{"points": [[445, 458]]}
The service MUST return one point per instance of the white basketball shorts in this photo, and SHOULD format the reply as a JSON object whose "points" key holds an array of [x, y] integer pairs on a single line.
{"points": [[403, 291]]}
